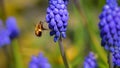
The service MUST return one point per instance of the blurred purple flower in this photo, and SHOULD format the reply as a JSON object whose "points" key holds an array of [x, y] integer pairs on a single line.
{"points": [[57, 18], [39, 62], [12, 27], [90, 61], [4, 35]]}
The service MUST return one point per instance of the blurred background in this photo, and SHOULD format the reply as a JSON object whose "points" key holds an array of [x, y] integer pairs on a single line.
{"points": [[82, 33]]}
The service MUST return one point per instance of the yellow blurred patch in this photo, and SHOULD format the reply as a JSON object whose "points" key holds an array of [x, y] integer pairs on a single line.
{"points": [[12, 5], [71, 53]]}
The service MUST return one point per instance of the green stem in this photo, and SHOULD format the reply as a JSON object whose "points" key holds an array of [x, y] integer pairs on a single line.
{"points": [[16, 54], [63, 53], [84, 23], [110, 60]]}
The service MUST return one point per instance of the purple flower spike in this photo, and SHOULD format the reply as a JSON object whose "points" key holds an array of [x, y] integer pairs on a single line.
{"points": [[90, 61], [109, 25], [12, 27], [4, 35], [116, 56], [39, 62], [57, 17]]}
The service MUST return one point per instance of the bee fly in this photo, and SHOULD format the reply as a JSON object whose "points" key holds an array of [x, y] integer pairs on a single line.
{"points": [[39, 28]]}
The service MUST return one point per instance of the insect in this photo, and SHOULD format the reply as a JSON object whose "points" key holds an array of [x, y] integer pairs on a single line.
{"points": [[39, 28]]}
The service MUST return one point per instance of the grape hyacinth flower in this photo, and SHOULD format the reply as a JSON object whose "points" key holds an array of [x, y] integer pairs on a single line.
{"points": [[11, 25], [116, 57], [109, 25], [57, 18], [90, 61], [4, 35], [39, 62]]}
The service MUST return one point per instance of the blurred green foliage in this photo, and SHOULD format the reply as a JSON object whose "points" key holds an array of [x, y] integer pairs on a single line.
{"points": [[82, 36]]}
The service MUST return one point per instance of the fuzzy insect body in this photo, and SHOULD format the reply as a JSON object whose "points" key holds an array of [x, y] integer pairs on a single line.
{"points": [[39, 28]]}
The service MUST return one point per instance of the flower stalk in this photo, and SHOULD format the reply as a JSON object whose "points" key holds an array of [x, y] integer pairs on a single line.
{"points": [[62, 51], [16, 54], [110, 60]]}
